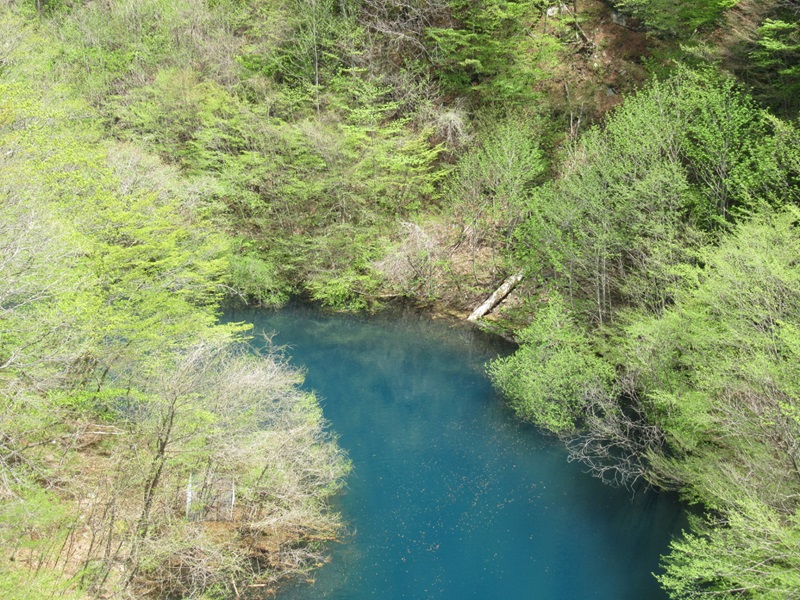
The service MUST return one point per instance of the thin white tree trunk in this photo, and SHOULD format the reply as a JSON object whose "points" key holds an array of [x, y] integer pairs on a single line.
{"points": [[189, 497]]}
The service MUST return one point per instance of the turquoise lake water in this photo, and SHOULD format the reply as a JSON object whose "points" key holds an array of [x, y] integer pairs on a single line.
{"points": [[450, 496]]}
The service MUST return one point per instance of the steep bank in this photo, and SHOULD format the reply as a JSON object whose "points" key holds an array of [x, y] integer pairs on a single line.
{"points": [[357, 152], [143, 451]]}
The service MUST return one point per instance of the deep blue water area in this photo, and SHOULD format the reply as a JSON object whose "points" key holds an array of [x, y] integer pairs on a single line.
{"points": [[450, 496]]}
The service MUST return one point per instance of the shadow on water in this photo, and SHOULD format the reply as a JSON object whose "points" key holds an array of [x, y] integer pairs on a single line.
{"points": [[451, 497]]}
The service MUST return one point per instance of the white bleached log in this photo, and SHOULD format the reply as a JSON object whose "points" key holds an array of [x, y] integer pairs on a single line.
{"points": [[496, 298]]}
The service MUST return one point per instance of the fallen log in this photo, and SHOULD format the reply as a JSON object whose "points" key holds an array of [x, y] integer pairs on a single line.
{"points": [[497, 297]]}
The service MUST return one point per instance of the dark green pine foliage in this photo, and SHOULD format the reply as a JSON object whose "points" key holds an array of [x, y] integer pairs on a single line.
{"points": [[671, 18], [492, 51], [775, 61]]}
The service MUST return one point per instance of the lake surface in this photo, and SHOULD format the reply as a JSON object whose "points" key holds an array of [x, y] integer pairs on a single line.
{"points": [[450, 496]]}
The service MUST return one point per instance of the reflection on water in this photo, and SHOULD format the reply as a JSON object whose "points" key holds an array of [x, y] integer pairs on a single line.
{"points": [[450, 497]]}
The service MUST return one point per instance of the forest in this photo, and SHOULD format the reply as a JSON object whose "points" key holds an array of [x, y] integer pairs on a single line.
{"points": [[635, 162]]}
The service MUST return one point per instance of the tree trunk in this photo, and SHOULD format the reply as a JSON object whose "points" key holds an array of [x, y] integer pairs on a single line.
{"points": [[496, 298]]}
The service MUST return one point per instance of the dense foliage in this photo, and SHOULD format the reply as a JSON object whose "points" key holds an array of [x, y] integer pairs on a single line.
{"points": [[676, 18], [142, 448], [671, 235], [640, 168]]}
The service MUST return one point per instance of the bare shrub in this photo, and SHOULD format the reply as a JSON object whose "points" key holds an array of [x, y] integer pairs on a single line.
{"points": [[402, 23], [413, 267], [450, 123], [215, 475], [248, 449], [617, 443]]}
